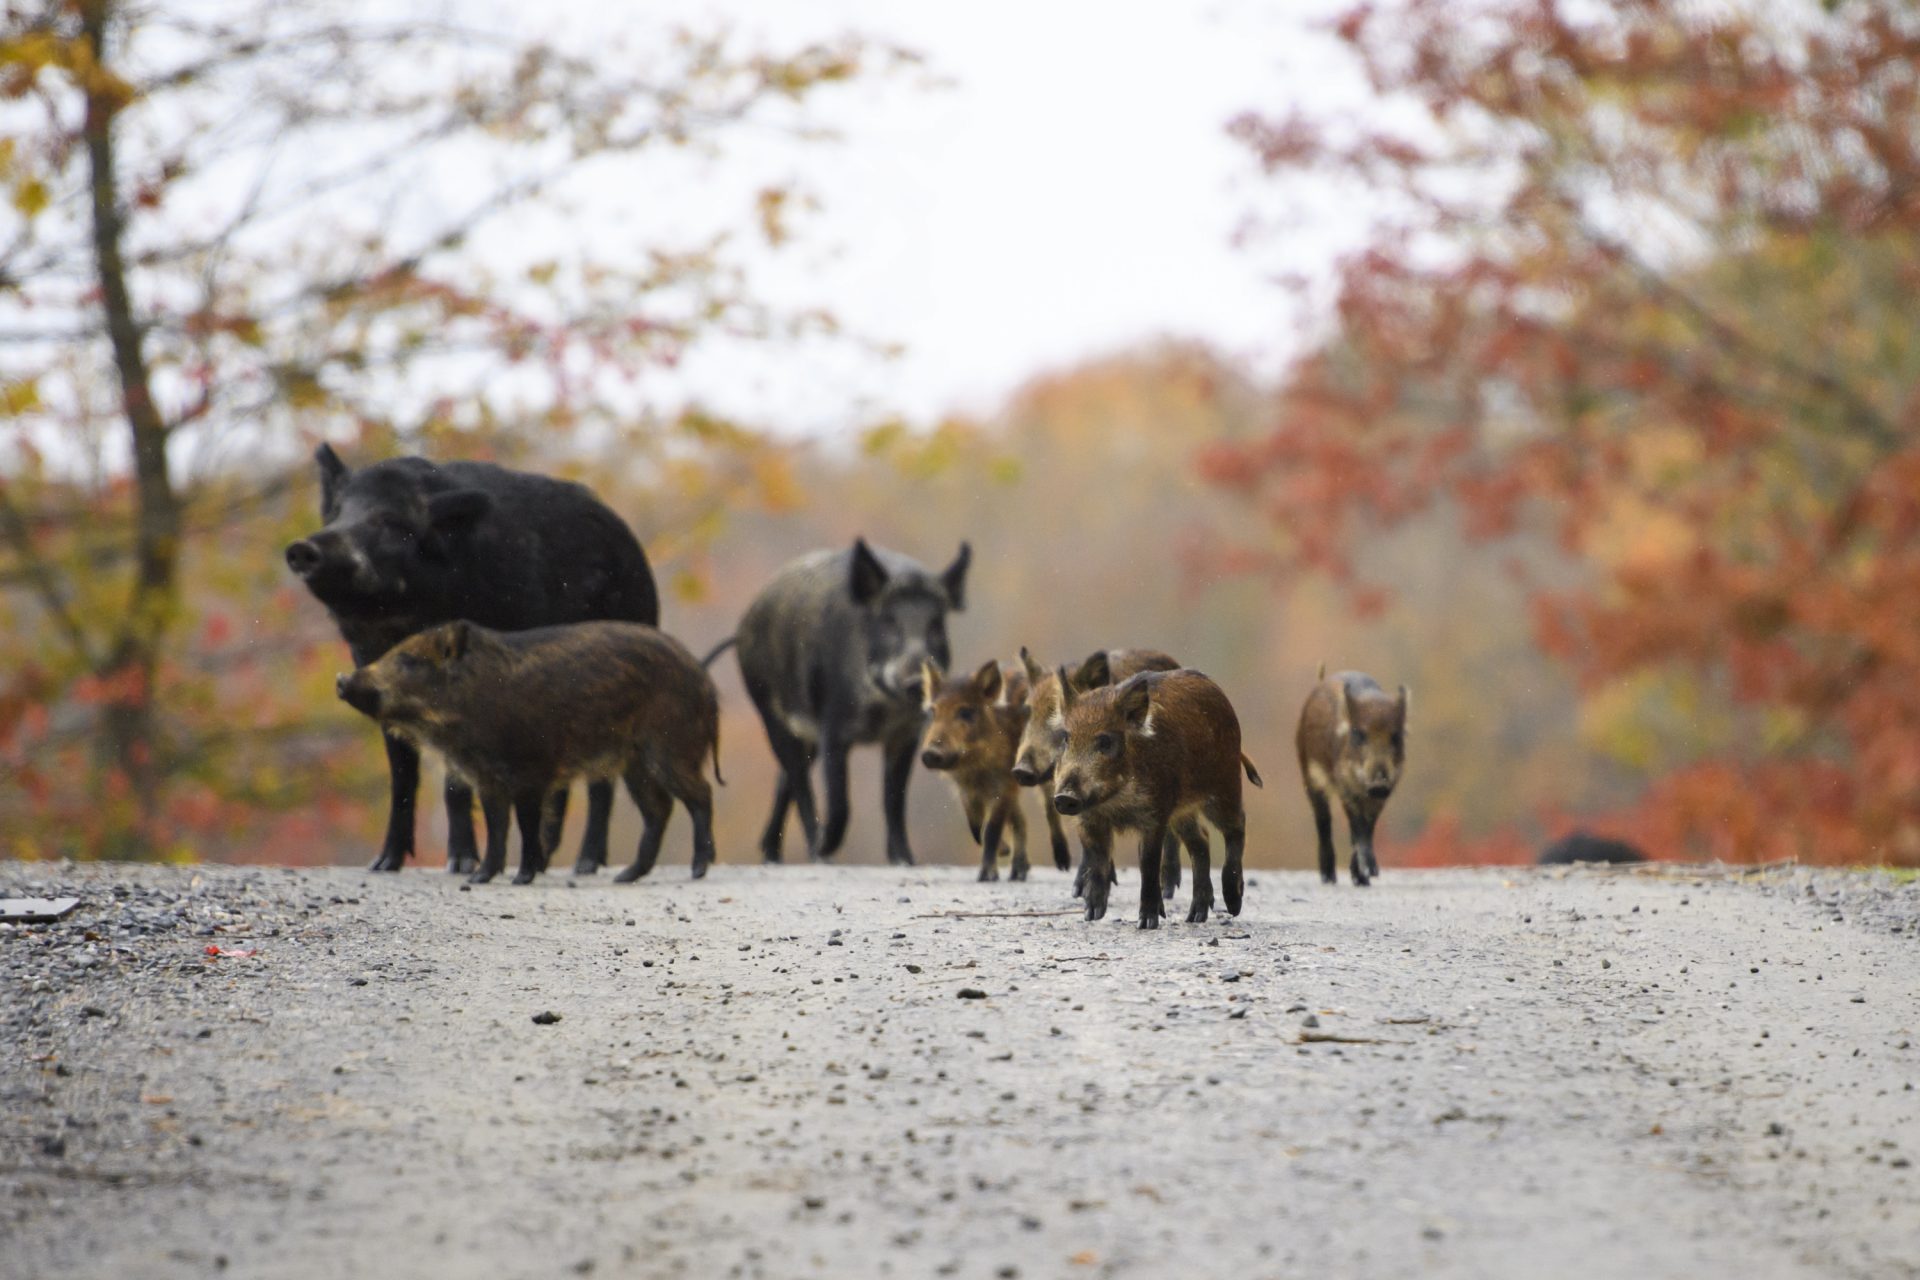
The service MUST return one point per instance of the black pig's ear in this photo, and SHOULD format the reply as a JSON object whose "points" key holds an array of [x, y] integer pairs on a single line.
{"points": [[458, 509], [954, 580], [868, 577], [1094, 673], [333, 478], [987, 679], [459, 637], [1136, 704]]}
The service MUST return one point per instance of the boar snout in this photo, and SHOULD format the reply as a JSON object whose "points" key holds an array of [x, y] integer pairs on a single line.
{"points": [[1025, 774], [937, 759], [1380, 790], [358, 692], [304, 559], [1068, 799]]}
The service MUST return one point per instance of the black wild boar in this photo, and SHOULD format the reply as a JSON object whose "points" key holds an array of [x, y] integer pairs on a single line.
{"points": [[1039, 738], [520, 714], [1155, 754], [1352, 743], [409, 544], [1584, 846], [973, 728], [831, 654]]}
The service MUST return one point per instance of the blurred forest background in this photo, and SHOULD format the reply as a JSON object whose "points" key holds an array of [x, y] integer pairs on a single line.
{"points": [[1605, 442]]}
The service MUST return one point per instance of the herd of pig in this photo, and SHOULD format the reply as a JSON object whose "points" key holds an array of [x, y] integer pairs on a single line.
{"points": [[510, 622]]}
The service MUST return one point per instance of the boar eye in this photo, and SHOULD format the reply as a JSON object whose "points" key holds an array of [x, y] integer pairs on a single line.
{"points": [[1358, 737], [1106, 744], [1059, 739], [411, 662], [966, 715], [1397, 740]]}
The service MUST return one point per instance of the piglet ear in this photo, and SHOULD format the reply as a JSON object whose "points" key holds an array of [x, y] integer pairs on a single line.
{"points": [[333, 478], [1406, 705], [954, 580], [1068, 694], [1135, 703], [459, 637], [1035, 672], [456, 510], [987, 679], [1094, 673], [867, 577]]}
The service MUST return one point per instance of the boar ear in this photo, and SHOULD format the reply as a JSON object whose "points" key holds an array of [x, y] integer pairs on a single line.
{"points": [[987, 679], [333, 478], [1346, 709], [868, 577], [954, 580], [1068, 694], [458, 509], [1094, 673], [929, 683], [459, 637], [1035, 672], [1406, 705], [1136, 704]]}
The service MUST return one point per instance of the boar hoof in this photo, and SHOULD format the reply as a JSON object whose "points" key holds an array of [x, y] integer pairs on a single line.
{"points": [[699, 871], [1149, 922], [631, 874], [1019, 872], [584, 867], [389, 860], [1197, 913], [1095, 910], [988, 874], [523, 877], [481, 876]]}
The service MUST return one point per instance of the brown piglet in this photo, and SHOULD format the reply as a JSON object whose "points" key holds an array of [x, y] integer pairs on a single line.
{"points": [[1155, 754], [1352, 743], [520, 714], [1041, 735], [973, 728]]}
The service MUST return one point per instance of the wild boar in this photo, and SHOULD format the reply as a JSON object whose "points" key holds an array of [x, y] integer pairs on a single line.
{"points": [[1041, 735], [409, 544], [1352, 742], [1155, 754], [520, 714], [1584, 846], [831, 654], [973, 728]]}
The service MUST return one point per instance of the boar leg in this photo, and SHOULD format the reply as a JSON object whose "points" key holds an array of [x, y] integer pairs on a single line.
{"points": [[1152, 906], [600, 820], [529, 811], [990, 842], [792, 787], [499, 816], [403, 773], [656, 810], [461, 850], [1233, 880], [1062, 855], [691, 789], [553, 821], [1080, 875], [1194, 836], [893, 795], [1360, 820], [1170, 867], [1097, 849], [833, 774], [1017, 824], [1323, 827]]}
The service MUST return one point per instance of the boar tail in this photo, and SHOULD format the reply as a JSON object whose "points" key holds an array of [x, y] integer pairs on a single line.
{"points": [[716, 750], [1253, 774], [716, 651]]}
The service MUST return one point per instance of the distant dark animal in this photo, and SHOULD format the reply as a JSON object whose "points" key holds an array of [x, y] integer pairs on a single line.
{"points": [[973, 729], [831, 654], [1155, 754], [1584, 846], [409, 544], [1040, 739], [1352, 747], [520, 714]]}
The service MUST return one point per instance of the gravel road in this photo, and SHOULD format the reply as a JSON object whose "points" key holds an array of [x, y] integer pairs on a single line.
{"points": [[836, 1071]]}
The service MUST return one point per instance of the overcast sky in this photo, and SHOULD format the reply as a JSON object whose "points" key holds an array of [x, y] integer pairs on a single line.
{"points": [[1070, 191]]}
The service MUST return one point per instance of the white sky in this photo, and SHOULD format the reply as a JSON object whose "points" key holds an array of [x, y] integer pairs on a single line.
{"points": [[1072, 191]]}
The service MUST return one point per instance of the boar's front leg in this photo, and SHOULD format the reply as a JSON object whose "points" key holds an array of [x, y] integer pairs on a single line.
{"points": [[461, 849], [833, 773], [1360, 820], [499, 817], [1233, 877], [1062, 855], [1017, 828], [1086, 860], [403, 773], [529, 810], [1097, 851], [990, 842], [1194, 836], [897, 770], [593, 841], [1170, 867], [1152, 844]]}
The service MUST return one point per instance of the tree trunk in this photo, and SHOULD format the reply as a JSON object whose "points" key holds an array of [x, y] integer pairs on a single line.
{"points": [[128, 738]]}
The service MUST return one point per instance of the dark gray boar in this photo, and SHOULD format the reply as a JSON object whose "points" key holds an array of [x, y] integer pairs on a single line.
{"points": [[521, 714], [1352, 743], [409, 544], [831, 654], [1155, 754]]}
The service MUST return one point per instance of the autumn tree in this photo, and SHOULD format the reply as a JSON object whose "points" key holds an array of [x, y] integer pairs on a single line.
{"points": [[1638, 279], [235, 229]]}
